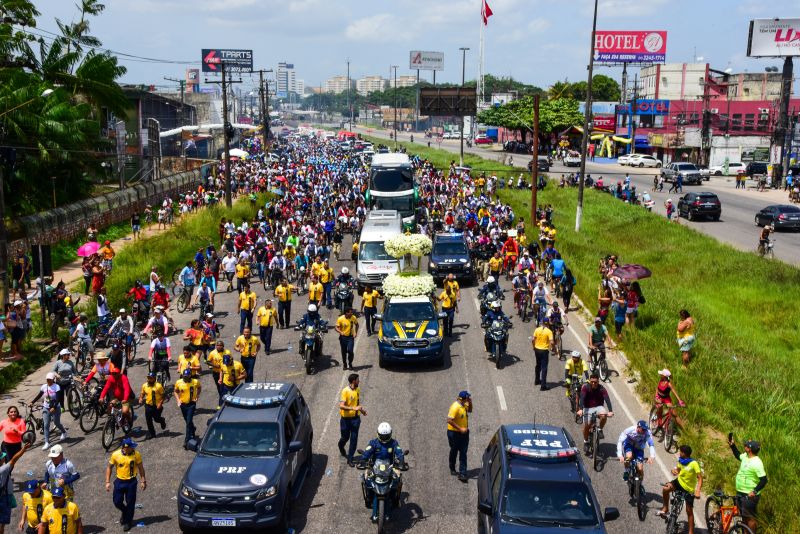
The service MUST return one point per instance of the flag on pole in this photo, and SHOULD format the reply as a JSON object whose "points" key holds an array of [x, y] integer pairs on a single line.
{"points": [[486, 12]]}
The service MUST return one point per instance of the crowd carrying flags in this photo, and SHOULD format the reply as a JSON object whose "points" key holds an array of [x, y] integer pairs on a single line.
{"points": [[486, 12]]}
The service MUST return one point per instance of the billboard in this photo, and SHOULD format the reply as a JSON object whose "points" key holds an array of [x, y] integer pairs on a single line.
{"points": [[621, 46], [646, 107], [447, 101], [774, 38], [234, 60], [420, 60], [605, 123]]}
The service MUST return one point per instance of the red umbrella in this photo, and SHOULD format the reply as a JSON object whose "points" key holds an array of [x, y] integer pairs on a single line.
{"points": [[632, 271], [87, 249]]}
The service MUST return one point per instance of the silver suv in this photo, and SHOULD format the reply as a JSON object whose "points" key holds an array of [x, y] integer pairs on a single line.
{"points": [[688, 171]]}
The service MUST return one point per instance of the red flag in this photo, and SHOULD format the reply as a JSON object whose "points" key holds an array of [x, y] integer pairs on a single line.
{"points": [[486, 12]]}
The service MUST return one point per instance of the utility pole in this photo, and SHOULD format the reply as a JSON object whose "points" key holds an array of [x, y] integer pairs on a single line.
{"points": [[783, 122], [349, 108], [535, 160], [263, 104], [416, 109], [587, 124], [226, 131], [182, 84], [463, 74], [395, 107]]}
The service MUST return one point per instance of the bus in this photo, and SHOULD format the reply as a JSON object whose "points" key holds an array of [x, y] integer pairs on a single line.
{"points": [[392, 186]]}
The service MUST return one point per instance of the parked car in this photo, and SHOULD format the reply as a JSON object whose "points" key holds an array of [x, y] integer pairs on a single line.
{"points": [[543, 164], [644, 160], [688, 171], [756, 167], [625, 158], [733, 169], [482, 139], [779, 215], [572, 159], [703, 204]]}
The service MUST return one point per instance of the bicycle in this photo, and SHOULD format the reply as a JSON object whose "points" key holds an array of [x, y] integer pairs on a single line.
{"points": [[635, 487], [34, 420], [523, 303], [184, 299], [599, 363], [116, 420], [540, 312], [73, 397], [664, 426], [82, 357], [575, 396], [593, 448], [93, 408], [558, 341], [676, 501], [725, 519], [162, 374]]}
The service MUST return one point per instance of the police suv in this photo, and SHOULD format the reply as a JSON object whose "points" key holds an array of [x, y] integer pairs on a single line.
{"points": [[450, 255], [252, 461], [532, 480]]}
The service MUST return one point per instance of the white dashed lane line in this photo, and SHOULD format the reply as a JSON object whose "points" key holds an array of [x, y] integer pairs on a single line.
{"points": [[502, 398]]}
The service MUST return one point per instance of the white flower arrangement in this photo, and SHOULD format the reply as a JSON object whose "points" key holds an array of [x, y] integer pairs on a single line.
{"points": [[408, 244], [397, 285]]}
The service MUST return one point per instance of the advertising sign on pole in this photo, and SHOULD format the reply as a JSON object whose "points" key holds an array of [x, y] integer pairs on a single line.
{"points": [[605, 123], [617, 46], [420, 60], [234, 60], [645, 107], [774, 38]]}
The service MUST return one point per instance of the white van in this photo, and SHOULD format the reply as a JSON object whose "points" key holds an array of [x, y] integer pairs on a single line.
{"points": [[374, 264]]}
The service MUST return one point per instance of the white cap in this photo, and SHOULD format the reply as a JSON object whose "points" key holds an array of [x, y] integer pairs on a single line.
{"points": [[17, 303], [665, 372], [55, 451], [51, 376], [64, 352], [123, 310]]}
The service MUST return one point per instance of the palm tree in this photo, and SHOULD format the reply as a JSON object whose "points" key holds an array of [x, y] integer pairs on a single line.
{"points": [[559, 90]]}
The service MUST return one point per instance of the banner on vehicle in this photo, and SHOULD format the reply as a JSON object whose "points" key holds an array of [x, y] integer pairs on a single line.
{"points": [[774, 38], [619, 46]]}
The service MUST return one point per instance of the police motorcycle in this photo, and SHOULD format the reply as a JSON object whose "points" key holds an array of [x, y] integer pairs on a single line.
{"points": [[489, 295], [343, 292], [496, 333], [382, 481], [311, 340]]}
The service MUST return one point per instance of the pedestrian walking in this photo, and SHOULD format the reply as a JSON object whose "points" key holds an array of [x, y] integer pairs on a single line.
{"points": [[685, 335], [283, 292], [136, 225], [127, 462], [267, 319], [750, 479], [458, 434], [326, 278], [214, 360], [670, 207], [61, 516], [246, 307], [542, 342], [350, 412], [34, 500], [369, 307], [449, 307], [152, 396], [247, 346], [187, 391], [231, 374], [347, 326], [60, 472], [51, 408], [7, 484]]}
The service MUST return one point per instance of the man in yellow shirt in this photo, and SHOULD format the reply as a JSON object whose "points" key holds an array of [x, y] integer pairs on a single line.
{"points": [[62, 516], [458, 433], [347, 326], [315, 292], [189, 360], [542, 342], [326, 279], [107, 253], [247, 346], [215, 361], [187, 391], [283, 292], [152, 396], [316, 266], [246, 307], [267, 318], [242, 273], [350, 412], [127, 461], [453, 283], [449, 306], [496, 265], [369, 307], [231, 374], [34, 501]]}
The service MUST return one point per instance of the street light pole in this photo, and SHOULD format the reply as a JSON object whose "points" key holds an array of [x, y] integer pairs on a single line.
{"points": [[463, 75], [394, 123], [587, 124]]}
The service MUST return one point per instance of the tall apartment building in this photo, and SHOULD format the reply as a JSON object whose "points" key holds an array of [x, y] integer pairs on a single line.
{"points": [[368, 84], [404, 81], [287, 80], [337, 84]]}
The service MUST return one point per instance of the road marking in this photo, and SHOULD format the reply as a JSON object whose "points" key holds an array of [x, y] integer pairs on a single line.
{"points": [[502, 398], [342, 383]]}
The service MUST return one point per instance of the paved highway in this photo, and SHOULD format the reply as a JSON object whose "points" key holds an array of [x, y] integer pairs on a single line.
{"points": [[739, 206], [414, 400]]}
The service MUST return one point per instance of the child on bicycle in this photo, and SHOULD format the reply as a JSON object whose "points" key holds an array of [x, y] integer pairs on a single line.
{"points": [[663, 397]]}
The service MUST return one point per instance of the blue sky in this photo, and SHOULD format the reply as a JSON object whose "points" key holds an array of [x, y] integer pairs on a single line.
{"points": [[536, 41]]}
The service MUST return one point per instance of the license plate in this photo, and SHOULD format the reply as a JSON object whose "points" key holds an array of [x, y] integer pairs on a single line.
{"points": [[410, 351], [223, 522]]}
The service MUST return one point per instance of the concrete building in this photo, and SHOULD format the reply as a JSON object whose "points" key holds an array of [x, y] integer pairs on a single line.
{"points": [[685, 81], [337, 84], [287, 81], [369, 84], [404, 81]]}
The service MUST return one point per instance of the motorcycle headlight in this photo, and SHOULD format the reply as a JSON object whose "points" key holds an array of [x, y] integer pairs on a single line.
{"points": [[266, 493], [309, 330], [187, 492], [468, 264], [432, 264]]}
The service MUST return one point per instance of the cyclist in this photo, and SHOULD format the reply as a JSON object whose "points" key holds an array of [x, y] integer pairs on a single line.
{"points": [[575, 366], [278, 263], [161, 300], [593, 396], [81, 333], [556, 317], [160, 354], [557, 265], [664, 392], [511, 251], [101, 368], [687, 483], [187, 278], [125, 325], [157, 322], [631, 445], [139, 295], [763, 237], [598, 336], [204, 296], [539, 298], [119, 388], [526, 263]]}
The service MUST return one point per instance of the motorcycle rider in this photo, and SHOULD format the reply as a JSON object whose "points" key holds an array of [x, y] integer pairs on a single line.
{"points": [[384, 447], [347, 279], [494, 314], [490, 286], [310, 318]]}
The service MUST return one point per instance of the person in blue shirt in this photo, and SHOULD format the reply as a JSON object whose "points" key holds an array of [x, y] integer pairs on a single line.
{"points": [[631, 443], [384, 447], [557, 265], [200, 260], [187, 278]]}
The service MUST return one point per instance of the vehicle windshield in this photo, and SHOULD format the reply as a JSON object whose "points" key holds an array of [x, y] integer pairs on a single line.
{"points": [[404, 204], [409, 311], [452, 248], [686, 167], [789, 209], [241, 439], [392, 179], [565, 504], [373, 251]]}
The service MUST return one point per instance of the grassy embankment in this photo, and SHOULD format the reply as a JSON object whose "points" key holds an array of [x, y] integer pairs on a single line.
{"points": [[744, 375]]}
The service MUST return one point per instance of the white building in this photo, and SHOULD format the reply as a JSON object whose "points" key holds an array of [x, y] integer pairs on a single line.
{"points": [[404, 81], [337, 84], [369, 84]]}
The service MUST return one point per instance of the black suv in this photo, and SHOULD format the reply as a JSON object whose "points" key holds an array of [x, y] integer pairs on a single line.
{"points": [[756, 167], [696, 205], [532, 480], [251, 463], [450, 254]]}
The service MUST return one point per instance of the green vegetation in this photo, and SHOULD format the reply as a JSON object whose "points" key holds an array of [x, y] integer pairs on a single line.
{"points": [[65, 252], [554, 115], [743, 377]]}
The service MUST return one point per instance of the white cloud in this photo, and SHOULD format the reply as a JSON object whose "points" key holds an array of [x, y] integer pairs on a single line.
{"points": [[539, 24], [627, 8], [383, 27]]}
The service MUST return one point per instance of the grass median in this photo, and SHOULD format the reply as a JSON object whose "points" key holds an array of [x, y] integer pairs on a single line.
{"points": [[744, 374]]}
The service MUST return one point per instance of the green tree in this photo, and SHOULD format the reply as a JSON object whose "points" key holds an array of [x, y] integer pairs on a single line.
{"points": [[604, 89], [554, 115]]}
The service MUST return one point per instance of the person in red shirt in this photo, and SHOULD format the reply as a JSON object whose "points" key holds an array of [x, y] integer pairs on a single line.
{"points": [[511, 253], [119, 388]]}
